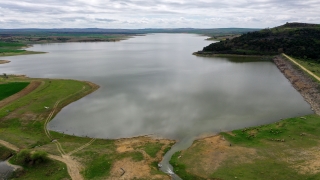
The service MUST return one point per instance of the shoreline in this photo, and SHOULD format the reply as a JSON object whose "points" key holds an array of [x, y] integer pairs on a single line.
{"points": [[302, 82], [4, 61], [201, 54]]}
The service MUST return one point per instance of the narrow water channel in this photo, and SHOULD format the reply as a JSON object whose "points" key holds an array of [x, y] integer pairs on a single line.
{"points": [[5, 170], [154, 85]]}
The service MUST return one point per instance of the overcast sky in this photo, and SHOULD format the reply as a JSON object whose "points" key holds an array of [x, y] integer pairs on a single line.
{"points": [[155, 13]]}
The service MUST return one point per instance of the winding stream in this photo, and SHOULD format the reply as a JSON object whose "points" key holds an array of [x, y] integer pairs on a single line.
{"points": [[154, 85]]}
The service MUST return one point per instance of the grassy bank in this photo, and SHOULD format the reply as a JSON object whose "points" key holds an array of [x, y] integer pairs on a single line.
{"points": [[288, 149], [5, 153], [14, 48], [22, 124], [312, 66]]}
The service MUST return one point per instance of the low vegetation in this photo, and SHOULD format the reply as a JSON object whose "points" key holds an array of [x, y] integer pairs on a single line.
{"points": [[13, 48], [312, 66], [9, 89], [38, 166], [287, 149], [5, 153]]}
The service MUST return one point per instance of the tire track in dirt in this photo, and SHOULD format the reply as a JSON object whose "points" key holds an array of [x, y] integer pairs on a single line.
{"points": [[82, 147], [73, 166]]}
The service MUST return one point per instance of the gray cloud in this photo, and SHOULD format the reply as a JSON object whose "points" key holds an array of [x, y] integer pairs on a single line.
{"points": [[105, 20], [156, 13]]}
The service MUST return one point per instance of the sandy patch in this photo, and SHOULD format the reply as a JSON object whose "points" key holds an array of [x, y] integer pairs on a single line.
{"points": [[129, 169], [306, 161], [209, 153]]}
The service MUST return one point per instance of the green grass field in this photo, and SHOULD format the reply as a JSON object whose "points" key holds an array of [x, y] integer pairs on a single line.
{"points": [[314, 67], [283, 150], [23, 126], [9, 89]]}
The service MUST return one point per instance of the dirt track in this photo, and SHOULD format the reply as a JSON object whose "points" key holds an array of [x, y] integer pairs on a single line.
{"points": [[72, 165], [32, 86], [303, 68]]}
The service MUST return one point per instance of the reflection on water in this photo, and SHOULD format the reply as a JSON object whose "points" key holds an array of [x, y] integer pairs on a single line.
{"points": [[154, 85]]}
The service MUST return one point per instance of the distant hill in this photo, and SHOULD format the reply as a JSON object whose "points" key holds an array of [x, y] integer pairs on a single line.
{"points": [[300, 40], [213, 31]]}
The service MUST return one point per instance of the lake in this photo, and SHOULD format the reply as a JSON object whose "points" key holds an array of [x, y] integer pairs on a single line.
{"points": [[153, 85]]}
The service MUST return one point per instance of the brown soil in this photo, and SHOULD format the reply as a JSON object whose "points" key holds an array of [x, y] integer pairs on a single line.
{"points": [[73, 166], [141, 169], [210, 152], [302, 82], [309, 158], [32, 86], [133, 170], [4, 61]]}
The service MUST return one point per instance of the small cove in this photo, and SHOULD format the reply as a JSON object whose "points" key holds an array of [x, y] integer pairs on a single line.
{"points": [[153, 85]]}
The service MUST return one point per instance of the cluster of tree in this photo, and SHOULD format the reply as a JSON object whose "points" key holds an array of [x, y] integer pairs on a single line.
{"points": [[26, 158], [302, 42]]}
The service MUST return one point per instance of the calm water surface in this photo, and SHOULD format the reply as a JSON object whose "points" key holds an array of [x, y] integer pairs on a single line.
{"points": [[154, 85], [5, 170]]}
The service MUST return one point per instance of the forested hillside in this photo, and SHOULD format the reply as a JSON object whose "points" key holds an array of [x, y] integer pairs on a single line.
{"points": [[296, 39]]}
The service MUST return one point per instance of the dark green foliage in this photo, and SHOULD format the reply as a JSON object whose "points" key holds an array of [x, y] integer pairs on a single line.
{"points": [[48, 169], [11, 47], [5, 153], [298, 40], [10, 44], [39, 157], [23, 157], [9, 89], [26, 158]]}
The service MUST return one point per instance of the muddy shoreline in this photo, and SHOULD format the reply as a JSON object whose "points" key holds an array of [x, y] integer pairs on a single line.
{"points": [[308, 88], [4, 61]]}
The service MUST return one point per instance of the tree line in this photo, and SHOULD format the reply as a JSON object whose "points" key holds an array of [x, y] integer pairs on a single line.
{"points": [[303, 43]]}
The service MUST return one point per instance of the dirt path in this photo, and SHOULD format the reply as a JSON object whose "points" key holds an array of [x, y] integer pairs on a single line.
{"points": [[73, 166], [9, 145], [82, 147], [32, 86], [309, 72]]}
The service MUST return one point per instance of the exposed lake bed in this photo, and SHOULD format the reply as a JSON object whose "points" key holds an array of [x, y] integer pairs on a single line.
{"points": [[158, 87]]}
